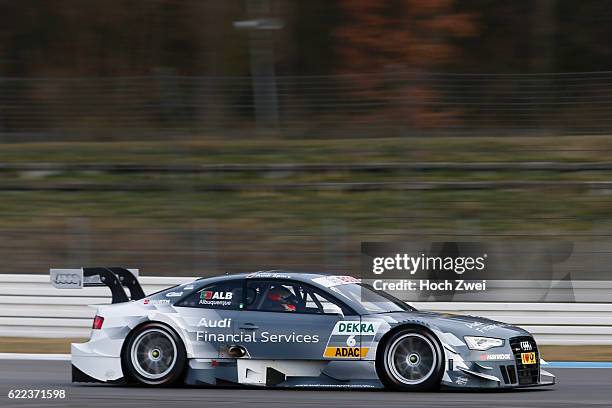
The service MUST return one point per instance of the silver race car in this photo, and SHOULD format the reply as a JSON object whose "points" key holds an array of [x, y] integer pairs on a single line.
{"points": [[286, 329]]}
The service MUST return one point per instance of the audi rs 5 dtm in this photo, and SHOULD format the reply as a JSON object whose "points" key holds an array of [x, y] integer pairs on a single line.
{"points": [[286, 329]]}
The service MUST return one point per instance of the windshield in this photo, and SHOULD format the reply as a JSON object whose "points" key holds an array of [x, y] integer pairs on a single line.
{"points": [[374, 301]]}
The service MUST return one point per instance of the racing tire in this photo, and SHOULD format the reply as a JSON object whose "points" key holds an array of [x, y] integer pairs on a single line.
{"points": [[154, 355], [410, 360]]}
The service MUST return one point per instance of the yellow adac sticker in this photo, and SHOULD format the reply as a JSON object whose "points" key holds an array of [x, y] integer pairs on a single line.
{"points": [[345, 352]]}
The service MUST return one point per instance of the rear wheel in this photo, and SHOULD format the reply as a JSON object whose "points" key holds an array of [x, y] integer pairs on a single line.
{"points": [[411, 360], [154, 355]]}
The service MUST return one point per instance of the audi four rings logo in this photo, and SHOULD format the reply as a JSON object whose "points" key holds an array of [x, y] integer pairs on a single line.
{"points": [[69, 278], [526, 346]]}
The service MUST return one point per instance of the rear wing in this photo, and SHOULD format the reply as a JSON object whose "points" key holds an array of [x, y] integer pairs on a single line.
{"points": [[114, 278]]}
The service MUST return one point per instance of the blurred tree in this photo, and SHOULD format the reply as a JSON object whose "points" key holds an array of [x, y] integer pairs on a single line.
{"points": [[378, 36], [160, 41], [580, 36], [118, 38], [395, 36]]}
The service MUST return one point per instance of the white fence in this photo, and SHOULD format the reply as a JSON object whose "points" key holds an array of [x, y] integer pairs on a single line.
{"points": [[31, 307]]}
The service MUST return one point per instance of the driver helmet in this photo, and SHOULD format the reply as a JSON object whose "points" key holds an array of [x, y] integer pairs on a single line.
{"points": [[281, 296]]}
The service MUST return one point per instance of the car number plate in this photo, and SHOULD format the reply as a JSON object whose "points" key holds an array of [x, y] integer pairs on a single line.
{"points": [[528, 358]]}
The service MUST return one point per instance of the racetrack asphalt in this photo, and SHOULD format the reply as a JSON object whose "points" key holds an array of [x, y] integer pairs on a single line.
{"points": [[583, 387]]}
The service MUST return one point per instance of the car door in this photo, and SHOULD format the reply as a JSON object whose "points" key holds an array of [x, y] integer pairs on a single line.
{"points": [[300, 327], [208, 315]]}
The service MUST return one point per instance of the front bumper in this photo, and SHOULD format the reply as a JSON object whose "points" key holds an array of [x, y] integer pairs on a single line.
{"points": [[516, 364], [475, 375]]}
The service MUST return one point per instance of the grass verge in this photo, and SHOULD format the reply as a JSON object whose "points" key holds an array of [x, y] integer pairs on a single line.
{"points": [[37, 345], [370, 150]]}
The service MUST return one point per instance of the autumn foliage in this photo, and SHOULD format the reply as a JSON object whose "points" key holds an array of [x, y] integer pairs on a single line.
{"points": [[391, 46]]}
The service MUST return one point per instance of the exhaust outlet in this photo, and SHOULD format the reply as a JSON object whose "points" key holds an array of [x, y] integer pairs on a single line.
{"points": [[236, 351]]}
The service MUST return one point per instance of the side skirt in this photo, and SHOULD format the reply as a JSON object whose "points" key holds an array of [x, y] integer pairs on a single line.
{"points": [[282, 373]]}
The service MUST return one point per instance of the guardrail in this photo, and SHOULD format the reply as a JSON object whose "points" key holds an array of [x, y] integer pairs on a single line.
{"points": [[31, 307]]}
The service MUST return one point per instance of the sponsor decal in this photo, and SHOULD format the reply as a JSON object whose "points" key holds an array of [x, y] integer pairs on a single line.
{"points": [[268, 275], [329, 281], [349, 328], [255, 337], [211, 298], [243, 336], [67, 278], [174, 294], [351, 338], [335, 385], [484, 327], [461, 380], [528, 358], [526, 346], [345, 352], [494, 357], [210, 295], [224, 323], [156, 301]]}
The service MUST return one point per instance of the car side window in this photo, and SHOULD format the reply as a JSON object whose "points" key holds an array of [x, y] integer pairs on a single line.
{"points": [[225, 295], [283, 296]]}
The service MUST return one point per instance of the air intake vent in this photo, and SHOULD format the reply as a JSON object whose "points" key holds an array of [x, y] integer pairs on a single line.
{"points": [[527, 373], [504, 373]]}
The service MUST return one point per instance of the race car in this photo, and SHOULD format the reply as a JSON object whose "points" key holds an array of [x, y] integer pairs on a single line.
{"points": [[287, 329]]}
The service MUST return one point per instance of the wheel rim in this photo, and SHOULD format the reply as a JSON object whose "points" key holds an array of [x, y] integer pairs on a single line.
{"points": [[411, 359], [153, 354]]}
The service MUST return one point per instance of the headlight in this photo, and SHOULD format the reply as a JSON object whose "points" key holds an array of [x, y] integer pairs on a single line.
{"points": [[482, 343]]}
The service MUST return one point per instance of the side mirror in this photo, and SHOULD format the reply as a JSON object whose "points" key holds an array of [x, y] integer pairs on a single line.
{"points": [[331, 308]]}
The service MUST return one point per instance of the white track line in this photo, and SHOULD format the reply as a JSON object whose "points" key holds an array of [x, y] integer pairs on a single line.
{"points": [[33, 356]]}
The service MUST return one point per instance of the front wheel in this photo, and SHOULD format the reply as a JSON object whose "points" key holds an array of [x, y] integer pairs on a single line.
{"points": [[154, 355], [411, 360]]}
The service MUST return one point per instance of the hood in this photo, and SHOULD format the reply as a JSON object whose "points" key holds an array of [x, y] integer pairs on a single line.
{"points": [[459, 325]]}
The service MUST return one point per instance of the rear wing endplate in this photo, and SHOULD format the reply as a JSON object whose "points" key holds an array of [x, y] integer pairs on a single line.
{"points": [[115, 278]]}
